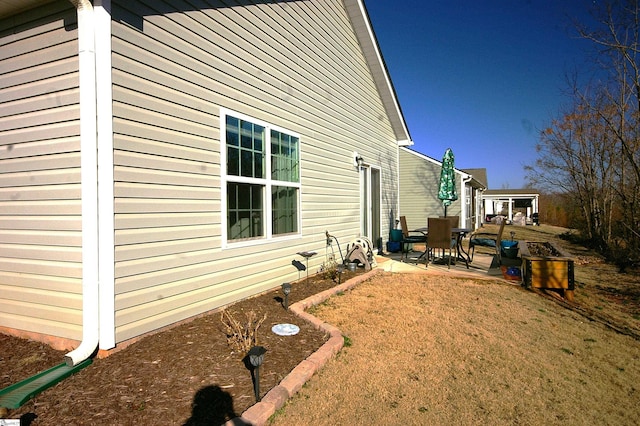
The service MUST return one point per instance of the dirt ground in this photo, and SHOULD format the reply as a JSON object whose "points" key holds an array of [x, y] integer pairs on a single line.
{"points": [[418, 350]]}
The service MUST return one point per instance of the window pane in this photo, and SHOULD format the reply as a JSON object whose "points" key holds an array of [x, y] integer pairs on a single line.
{"points": [[232, 131], [245, 214], [232, 161], [258, 165], [243, 194], [245, 148], [258, 138], [256, 197], [246, 163], [284, 157], [285, 209], [258, 147], [246, 139]]}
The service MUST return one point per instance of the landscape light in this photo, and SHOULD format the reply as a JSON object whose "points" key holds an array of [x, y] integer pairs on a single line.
{"points": [[307, 255], [256, 357], [286, 289], [340, 270]]}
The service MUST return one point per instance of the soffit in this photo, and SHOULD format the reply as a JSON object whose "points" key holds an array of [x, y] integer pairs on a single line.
{"points": [[9, 7]]}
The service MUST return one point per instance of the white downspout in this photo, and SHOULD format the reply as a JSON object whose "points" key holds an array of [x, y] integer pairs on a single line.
{"points": [[89, 179], [106, 225]]}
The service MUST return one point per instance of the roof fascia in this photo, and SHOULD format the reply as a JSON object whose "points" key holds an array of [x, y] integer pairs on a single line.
{"points": [[364, 31], [434, 161], [489, 194]]}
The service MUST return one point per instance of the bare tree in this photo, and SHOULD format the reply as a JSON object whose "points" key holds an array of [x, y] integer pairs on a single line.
{"points": [[617, 41], [592, 151], [575, 158]]}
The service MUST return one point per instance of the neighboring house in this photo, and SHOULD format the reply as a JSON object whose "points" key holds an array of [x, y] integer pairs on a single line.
{"points": [[509, 202], [419, 183], [476, 188], [160, 160]]}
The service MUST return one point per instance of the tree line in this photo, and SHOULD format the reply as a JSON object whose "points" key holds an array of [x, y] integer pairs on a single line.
{"points": [[588, 161]]}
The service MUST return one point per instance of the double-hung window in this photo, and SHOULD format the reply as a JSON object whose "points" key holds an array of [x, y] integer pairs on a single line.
{"points": [[261, 179]]}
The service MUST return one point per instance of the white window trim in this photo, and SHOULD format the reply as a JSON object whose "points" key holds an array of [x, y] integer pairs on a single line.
{"points": [[268, 182]]}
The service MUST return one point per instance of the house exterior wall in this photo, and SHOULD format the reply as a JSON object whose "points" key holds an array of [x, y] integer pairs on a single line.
{"points": [[295, 65], [40, 202], [419, 182]]}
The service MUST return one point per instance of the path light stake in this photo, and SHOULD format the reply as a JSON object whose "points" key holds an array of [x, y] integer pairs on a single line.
{"points": [[307, 255], [286, 289], [340, 270], [256, 357]]}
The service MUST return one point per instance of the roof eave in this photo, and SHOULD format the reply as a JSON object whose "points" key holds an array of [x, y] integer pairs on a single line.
{"points": [[11, 7], [364, 31]]}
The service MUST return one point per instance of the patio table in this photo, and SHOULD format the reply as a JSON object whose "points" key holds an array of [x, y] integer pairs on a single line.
{"points": [[459, 233]]}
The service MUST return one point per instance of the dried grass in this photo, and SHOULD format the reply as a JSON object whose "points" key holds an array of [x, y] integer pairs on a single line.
{"points": [[437, 350]]}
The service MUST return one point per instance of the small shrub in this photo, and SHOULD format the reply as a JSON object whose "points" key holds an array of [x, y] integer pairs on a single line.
{"points": [[329, 269], [242, 336]]}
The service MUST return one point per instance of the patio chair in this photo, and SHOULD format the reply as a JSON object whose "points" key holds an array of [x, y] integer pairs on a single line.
{"points": [[455, 220], [440, 237], [407, 238], [487, 239]]}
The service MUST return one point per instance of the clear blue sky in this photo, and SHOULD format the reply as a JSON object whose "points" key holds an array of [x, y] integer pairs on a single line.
{"points": [[481, 77]]}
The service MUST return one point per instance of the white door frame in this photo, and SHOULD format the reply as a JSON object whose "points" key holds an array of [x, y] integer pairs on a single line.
{"points": [[370, 202]]}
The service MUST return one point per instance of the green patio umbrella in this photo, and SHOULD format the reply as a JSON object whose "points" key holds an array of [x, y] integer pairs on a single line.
{"points": [[447, 191]]}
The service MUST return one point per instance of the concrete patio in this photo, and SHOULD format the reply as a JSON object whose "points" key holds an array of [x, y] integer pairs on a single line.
{"points": [[480, 267]]}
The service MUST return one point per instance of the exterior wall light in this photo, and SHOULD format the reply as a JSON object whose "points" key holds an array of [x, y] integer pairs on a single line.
{"points": [[358, 161]]}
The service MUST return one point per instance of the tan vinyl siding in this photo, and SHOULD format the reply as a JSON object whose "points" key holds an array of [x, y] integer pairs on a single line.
{"points": [[40, 223], [295, 65], [419, 182]]}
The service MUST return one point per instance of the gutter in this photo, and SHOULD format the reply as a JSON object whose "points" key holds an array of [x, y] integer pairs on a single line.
{"points": [[89, 179]]}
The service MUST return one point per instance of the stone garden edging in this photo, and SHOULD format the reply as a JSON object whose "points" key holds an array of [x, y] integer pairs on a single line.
{"points": [[259, 413]]}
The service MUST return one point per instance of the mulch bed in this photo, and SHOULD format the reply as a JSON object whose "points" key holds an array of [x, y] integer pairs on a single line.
{"points": [[187, 375]]}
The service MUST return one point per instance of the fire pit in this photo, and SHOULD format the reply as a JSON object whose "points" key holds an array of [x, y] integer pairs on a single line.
{"points": [[547, 267]]}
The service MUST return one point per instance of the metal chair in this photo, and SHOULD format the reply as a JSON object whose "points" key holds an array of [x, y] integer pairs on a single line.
{"points": [[487, 239], [407, 238]]}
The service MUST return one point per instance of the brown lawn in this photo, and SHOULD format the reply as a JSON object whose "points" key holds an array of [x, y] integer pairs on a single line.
{"points": [[420, 349], [431, 351]]}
